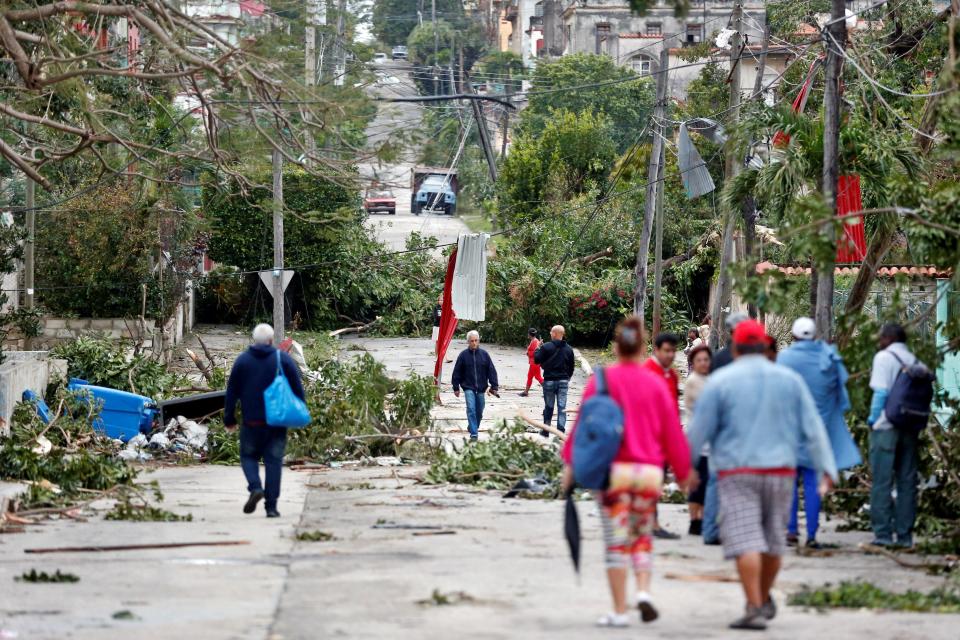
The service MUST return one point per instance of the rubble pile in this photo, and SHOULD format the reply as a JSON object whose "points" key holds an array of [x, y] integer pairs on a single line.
{"points": [[180, 437]]}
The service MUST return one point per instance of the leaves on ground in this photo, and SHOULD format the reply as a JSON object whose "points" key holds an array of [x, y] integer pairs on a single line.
{"points": [[43, 577], [864, 595], [315, 536]]}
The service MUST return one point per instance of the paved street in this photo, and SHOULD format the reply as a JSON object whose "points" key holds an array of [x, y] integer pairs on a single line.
{"points": [[405, 119]]}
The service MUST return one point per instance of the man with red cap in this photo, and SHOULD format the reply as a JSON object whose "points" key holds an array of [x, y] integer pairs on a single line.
{"points": [[756, 415]]}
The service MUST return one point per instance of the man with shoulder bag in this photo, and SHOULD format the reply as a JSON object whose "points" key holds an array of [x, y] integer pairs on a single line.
{"points": [[902, 392]]}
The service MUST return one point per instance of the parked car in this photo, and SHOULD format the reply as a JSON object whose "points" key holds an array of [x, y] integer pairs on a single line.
{"points": [[380, 200], [399, 52], [434, 189], [379, 58]]}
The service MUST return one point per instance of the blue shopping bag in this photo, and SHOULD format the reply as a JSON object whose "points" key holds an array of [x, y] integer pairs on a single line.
{"points": [[283, 407]]}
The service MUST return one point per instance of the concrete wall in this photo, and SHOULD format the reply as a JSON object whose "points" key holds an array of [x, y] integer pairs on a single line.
{"points": [[22, 370]]}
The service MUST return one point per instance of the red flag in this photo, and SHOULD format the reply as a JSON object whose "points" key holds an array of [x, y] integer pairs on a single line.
{"points": [[448, 319], [852, 244], [780, 139]]}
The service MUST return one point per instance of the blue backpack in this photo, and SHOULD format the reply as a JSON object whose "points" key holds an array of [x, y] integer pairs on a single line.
{"points": [[597, 438], [908, 404]]}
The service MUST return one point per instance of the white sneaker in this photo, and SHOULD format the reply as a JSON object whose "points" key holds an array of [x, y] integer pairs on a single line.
{"points": [[617, 620]]}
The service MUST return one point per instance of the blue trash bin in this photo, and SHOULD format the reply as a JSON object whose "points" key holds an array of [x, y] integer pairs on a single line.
{"points": [[123, 414]]}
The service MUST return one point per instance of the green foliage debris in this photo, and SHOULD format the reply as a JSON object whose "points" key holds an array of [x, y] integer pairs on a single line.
{"points": [[124, 614], [315, 536], [499, 462], [864, 595], [43, 577]]}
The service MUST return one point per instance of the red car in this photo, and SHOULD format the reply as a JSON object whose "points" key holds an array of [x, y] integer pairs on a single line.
{"points": [[380, 201]]}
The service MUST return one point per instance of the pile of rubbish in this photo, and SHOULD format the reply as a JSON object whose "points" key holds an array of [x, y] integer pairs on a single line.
{"points": [[180, 437]]}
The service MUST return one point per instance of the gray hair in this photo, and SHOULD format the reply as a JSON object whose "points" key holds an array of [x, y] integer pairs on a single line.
{"points": [[558, 328], [263, 334], [473, 334]]}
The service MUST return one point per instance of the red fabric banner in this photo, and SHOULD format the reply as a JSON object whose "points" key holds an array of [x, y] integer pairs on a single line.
{"points": [[780, 139], [448, 319], [852, 243]]}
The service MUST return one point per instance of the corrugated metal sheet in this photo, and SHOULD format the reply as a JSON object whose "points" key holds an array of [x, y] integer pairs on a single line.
{"points": [[693, 170]]}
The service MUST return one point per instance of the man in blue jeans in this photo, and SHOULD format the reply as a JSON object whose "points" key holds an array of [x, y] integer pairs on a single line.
{"points": [[474, 373], [893, 451], [252, 373], [556, 359]]}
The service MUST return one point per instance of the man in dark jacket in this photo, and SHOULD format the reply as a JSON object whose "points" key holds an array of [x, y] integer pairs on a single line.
{"points": [[252, 373], [556, 358], [473, 372]]}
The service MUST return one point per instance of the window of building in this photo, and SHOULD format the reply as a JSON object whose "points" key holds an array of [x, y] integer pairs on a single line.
{"points": [[538, 10], [654, 28], [641, 66], [694, 33], [603, 30]]}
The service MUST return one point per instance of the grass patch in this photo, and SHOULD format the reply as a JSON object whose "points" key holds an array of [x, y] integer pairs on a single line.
{"points": [[315, 536], [864, 595], [440, 599], [47, 578], [124, 614]]}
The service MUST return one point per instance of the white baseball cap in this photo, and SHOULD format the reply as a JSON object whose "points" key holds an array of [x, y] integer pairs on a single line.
{"points": [[804, 328]]}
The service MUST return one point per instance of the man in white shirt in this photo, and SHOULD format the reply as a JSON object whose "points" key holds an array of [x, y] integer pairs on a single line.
{"points": [[893, 452]]}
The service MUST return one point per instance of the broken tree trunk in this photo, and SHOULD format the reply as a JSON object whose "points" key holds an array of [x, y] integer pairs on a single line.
{"points": [[593, 257], [541, 426], [360, 329]]}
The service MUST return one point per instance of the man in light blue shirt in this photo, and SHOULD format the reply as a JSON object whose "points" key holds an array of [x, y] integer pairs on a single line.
{"points": [[756, 415]]}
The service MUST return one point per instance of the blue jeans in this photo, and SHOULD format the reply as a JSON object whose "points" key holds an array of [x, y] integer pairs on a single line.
{"points": [[811, 502], [475, 404], [893, 463], [555, 391], [268, 444], [711, 509]]}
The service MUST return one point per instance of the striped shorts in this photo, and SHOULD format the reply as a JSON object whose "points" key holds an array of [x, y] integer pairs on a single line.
{"points": [[628, 514], [754, 512]]}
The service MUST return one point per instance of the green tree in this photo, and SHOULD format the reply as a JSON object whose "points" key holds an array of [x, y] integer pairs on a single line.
{"points": [[394, 20], [622, 95], [502, 68], [708, 93], [572, 154]]}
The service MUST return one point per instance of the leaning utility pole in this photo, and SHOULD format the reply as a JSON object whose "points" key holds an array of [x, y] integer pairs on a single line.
{"points": [[310, 45], [750, 204], [722, 294], [29, 244], [654, 174], [835, 39], [482, 129], [658, 250], [278, 307]]}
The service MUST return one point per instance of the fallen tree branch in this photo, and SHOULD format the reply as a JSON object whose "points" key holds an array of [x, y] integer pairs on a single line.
{"points": [[360, 329], [593, 257], [137, 547], [541, 426], [203, 369]]}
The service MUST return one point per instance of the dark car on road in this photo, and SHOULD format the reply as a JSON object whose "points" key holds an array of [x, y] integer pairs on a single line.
{"points": [[380, 200]]}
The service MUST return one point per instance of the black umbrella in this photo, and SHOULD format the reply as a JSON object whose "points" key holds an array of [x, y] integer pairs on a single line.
{"points": [[571, 528]]}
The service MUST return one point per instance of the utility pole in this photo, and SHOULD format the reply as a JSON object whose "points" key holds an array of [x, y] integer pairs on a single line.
{"points": [[750, 205], [310, 45], [658, 250], [654, 173], [29, 244], [835, 40], [482, 129], [722, 295], [341, 57], [278, 306]]}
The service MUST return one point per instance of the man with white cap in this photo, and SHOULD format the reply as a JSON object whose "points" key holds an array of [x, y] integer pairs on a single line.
{"points": [[253, 371], [821, 367]]}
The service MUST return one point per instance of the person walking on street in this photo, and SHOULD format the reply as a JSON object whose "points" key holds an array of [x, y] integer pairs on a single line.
{"points": [[253, 371], [652, 436], [893, 451], [661, 365], [698, 365], [475, 374], [435, 333], [755, 415], [711, 505], [821, 367], [533, 372], [693, 340], [556, 358]]}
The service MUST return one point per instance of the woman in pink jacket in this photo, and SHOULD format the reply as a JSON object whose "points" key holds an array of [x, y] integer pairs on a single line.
{"points": [[651, 436]]}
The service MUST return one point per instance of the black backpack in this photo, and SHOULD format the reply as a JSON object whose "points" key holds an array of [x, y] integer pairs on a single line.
{"points": [[908, 404]]}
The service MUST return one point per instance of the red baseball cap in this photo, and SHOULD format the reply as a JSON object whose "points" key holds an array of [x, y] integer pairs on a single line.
{"points": [[750, 332]]}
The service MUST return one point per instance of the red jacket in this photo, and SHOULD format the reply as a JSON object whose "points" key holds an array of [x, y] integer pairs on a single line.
{"points": [[532, 348], [669, 375]]}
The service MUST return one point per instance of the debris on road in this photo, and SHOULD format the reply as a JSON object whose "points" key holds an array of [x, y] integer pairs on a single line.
{"points": [[315, 536], [43, 577], [440, 599], [138, 547]]}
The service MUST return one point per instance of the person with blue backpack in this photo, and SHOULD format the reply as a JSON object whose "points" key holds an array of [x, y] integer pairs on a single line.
{"points": [[902, 392], [626, 429], [254, 372]]}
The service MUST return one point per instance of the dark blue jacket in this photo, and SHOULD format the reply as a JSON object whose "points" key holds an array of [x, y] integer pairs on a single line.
{"points": [[473, 370], [252, 373], [557, 359]]}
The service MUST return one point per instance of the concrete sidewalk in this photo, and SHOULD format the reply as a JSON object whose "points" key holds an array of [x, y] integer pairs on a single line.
{"points": [[510, 559], [194, 592]]}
